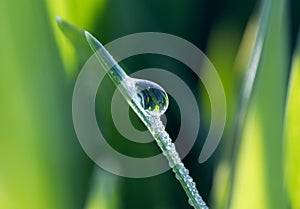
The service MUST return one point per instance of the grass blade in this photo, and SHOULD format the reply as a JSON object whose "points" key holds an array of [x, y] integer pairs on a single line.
{"points": [[37, 144], [81, 13], [292, 133], [260, 157], [152, 122], [104, 192], [76, 37], [247, 62]]}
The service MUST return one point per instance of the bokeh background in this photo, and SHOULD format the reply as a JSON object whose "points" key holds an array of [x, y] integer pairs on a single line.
{"points": [[257, 164]]}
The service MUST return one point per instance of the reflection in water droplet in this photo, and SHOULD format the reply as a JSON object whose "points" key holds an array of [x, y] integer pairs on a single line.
{"points": [[153, 98]]}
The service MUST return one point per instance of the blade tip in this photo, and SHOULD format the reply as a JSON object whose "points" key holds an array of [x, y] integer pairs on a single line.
{"points": [[87, 35]]}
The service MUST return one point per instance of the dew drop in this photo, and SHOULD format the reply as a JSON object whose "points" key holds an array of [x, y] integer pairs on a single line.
{"points": [[153, 98], [190, 201]]}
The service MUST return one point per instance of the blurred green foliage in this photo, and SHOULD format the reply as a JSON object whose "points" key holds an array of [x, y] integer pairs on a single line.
{"points": [[41, 165], [41, 162], [292, 133], [260, 154]]}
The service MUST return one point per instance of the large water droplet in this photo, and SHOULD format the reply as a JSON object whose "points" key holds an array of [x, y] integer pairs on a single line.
{"points": [[153, 98]]}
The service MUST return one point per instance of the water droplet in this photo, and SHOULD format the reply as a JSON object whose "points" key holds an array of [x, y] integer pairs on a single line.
{"points": [[191, 202], [184, 171], [153, 98]]}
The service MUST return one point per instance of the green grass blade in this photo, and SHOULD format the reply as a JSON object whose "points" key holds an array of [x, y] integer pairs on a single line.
{"points": [[247, 89], [83, 13], [37, 145], [76, 37], [245, 66], [292, 133], [104, 192], [258, 181], [152, 122]]}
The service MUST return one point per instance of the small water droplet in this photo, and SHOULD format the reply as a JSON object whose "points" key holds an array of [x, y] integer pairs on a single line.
{"points": [[184, 171], [153, 98], [191, 202]]}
